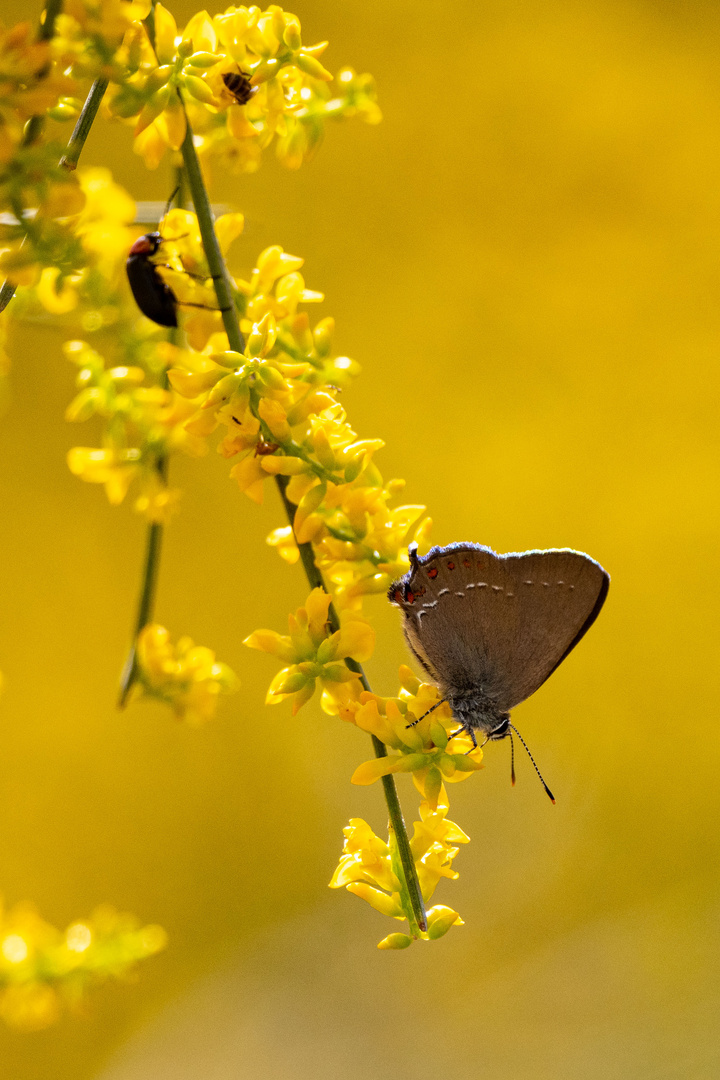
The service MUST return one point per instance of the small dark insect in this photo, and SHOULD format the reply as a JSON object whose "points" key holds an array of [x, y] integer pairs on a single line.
{"points": [[238, 84], [155, 299], [262, 448]]}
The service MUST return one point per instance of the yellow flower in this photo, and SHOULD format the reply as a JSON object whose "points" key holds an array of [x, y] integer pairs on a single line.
{"points": [[423, 748], [185, 676], [284, 543], [367, 869], [313, 655], [431, 846], [115, 469]]}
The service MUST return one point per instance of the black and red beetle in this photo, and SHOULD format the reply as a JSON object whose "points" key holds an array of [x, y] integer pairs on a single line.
{"points": [[152, 295]]}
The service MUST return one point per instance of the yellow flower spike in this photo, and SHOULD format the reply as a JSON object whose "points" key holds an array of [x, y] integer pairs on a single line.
{"points": [[250, 477], [395, 941], [386, 905], [185, 676], [166, 33]]}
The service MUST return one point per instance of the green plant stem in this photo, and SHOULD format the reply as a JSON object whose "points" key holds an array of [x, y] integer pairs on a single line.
{"points": [[146, 603], [397, 822], [213, 254], [83, 124], [223, 291]]}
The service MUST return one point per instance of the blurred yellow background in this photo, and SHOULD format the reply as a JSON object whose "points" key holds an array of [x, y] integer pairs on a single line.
{"points": [[525, 259]]}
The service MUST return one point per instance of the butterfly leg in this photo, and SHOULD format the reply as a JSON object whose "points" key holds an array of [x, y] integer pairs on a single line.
{"points": [[431, 709], [466, 731]]}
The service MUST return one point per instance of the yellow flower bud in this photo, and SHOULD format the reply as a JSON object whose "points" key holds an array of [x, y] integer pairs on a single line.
{"points": [[157, 78], [291, 33], [262, 336], [440, 919], [84, 405], [223, 390], [395, 941], [278, 465], [322, 335], [323, 450], [311, 66], [204, 59], [386, 905], [199, 89]]}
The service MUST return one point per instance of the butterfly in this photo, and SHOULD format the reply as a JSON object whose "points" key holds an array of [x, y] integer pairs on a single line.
{"points": [[489, 629]]}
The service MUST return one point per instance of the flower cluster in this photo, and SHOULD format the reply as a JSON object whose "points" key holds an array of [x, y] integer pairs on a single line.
{"points": [[185, 676], [313, 653], [414, 727], [370, 869], [142, 426], [43, 970], [245, 79]]}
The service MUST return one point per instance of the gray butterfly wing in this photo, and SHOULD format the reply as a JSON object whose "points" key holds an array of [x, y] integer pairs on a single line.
{"points": [[498, 625]]}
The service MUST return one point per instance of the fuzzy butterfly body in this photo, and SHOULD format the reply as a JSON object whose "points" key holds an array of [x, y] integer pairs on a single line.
{"points": [[489, 629]]}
